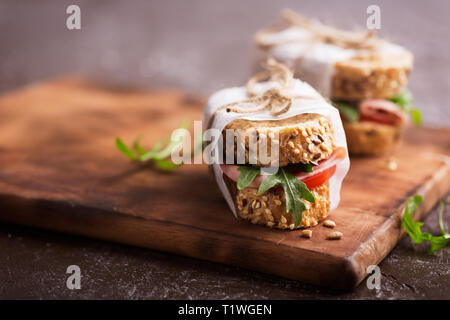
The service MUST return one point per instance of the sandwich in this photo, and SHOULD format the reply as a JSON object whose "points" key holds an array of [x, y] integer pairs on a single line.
{"points": [[279, 151], [364, 76]]}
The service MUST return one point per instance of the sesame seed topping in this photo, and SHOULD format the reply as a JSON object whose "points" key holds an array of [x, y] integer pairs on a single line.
{"points": [[335, 235], [307, 233], [329, 223], [256, 204]]}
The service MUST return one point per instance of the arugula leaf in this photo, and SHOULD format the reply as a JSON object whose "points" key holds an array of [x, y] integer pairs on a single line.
{"points": [[303, 167], [308, 167], [349, 112], [271, 181], [403, 98], [122, 147], [441, 221], [411, 227], [416, 116], [246, 176], [414, 228], [303, 190], [166, 165], [294, 191], [437, 243], [404, 101], [158, 154]]}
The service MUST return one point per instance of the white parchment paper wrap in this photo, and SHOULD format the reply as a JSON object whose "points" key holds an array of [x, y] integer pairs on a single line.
{"points": [[299, 106], [313, 61]]}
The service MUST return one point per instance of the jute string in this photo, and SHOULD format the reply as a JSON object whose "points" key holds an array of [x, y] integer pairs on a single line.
{"points": [[361, 41], [278, 99]]}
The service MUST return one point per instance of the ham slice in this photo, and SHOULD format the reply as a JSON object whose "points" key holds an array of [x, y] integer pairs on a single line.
{"points": [[231, 171], [381, 111]]}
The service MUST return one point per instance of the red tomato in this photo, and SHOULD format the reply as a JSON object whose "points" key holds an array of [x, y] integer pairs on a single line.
{"points": [[316, 180]]}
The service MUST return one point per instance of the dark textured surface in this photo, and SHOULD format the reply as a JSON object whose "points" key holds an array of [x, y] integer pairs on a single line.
{"points": [[200, 46]]}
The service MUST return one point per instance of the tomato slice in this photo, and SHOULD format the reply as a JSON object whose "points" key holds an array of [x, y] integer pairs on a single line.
{"points": [[316, 180], [323, 171]]}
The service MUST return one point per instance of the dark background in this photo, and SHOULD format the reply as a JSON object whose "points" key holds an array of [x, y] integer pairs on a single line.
{"points": [[201, 46]]}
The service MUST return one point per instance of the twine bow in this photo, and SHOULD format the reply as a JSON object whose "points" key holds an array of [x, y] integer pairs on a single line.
{"points": [[360, 41], [278, 99]]}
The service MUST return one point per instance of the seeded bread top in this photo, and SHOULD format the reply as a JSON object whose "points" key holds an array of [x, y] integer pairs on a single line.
{"points": [[305, 138]]}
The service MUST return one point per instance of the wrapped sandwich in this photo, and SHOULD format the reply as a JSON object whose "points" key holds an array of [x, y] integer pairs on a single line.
{"points": [[280, 154], [364, 76]]}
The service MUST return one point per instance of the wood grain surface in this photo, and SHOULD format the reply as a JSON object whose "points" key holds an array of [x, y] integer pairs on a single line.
{"points": [[59, 170]]}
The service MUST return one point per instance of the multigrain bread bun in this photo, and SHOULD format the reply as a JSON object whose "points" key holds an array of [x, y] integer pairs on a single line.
{"points": [[380, 77], [276, 111], [303, 138], [365, 138], [269, 208]]}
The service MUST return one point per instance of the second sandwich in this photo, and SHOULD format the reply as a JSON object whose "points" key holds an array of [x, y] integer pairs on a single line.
{"points": [[365, 77]]}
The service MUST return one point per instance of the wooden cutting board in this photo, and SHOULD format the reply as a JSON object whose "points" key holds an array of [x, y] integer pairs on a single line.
{"points": [[59, 170]]}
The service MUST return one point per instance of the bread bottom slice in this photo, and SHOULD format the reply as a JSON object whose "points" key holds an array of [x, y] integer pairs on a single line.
{"points": [[269, 208], [366, 138]]}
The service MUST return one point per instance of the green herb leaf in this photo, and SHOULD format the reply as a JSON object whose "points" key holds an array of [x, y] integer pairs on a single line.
{"points": [[122, 147], [349, 112], [246, 176], [411, 227], [294, 191], [441, 221], [303, 190], [307, 167], [293, 194], [137, 147], [165, 165], [437, 243], [416, 116], [414, 228], [271, 181], [404, 101], [158, 154], [403, 98]]}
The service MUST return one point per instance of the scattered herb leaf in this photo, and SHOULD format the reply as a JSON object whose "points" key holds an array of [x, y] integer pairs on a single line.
{"points": [[158, 154], [414, 228], [122, 147], [166, 165], [441, 221]]}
